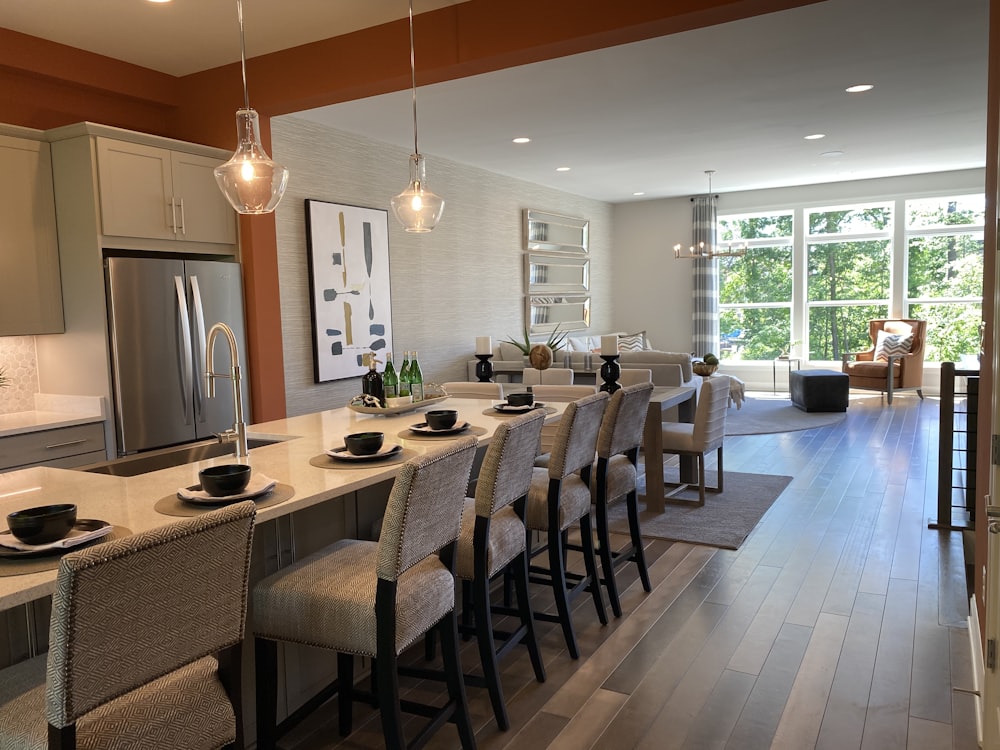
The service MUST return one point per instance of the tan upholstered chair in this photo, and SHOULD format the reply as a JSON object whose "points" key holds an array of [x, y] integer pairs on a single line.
{"points": [[463, 389], [492, 542], [551, 376], [144, 645], [616, 476], [633, 376], [375, 599], [559, 498], [897, 372], [704, 435]]}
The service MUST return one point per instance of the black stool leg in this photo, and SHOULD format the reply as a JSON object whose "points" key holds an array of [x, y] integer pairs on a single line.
{"points": [[557, 571], [519, 571], [607, 563], [638, 550], [456, 681], [488, 649], [266, 658], [345, 693], [591, 562]]}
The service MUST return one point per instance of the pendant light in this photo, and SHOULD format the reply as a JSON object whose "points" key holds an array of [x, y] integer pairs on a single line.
{"points": [[417, 208], [251, 181], [708, 250]]}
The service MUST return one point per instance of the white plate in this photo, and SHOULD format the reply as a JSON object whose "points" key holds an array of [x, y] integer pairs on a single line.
{"points": [[425, 429], [342, 454], [401, 409], [258, 485], [508, 409]]}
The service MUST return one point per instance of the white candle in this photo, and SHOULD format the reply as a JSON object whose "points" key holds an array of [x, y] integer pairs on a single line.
{"points": [[484, 345], [609, 345]]}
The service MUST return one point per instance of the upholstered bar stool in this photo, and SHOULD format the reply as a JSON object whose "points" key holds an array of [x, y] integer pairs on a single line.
{"points": [[558, 498], [616, 476], [560, 393], [375, 599], [145, 643], [493, 541]]}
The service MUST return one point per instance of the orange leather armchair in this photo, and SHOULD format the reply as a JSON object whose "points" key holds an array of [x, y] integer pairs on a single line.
{"points": [[898, 371]]}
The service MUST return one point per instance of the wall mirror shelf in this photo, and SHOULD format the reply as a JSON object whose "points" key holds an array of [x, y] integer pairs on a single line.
{"points": [[556, 272], [551, 233], [567, 312]]}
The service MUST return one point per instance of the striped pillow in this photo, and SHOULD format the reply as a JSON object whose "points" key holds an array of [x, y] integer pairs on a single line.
{"points": [[632, 342], [894, 344]]}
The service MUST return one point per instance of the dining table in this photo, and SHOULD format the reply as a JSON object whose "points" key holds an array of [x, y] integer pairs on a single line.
{"points": [[663, 399]]}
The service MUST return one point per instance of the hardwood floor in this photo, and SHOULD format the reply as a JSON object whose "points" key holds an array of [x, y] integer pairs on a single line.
{"points": [[840, 623]]}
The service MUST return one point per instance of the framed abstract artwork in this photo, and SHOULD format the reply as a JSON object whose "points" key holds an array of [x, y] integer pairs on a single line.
{"points": [[348, 249]]}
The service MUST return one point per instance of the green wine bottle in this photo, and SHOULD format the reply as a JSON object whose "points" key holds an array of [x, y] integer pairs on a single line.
{"points": [[390, 381], [404, 376], [416, 378]]}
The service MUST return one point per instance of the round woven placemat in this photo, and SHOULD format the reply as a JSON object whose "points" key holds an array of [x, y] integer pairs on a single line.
{"points": [[324, 461], [18, 567], [171, 505]]}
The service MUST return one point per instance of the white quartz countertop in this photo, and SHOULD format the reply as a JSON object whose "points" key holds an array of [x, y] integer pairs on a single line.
{"points": [[129, 501], [52, 412]]}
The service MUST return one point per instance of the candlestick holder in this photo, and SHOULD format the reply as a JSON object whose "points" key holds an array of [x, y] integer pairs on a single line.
{"points": [[610, 372], [484, 368]]}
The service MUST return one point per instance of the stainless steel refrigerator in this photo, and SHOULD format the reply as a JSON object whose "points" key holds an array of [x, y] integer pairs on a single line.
{"points": [[159, 314]]}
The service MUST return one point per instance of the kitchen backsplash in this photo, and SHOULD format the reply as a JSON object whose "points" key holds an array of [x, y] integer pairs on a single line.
{"points": [[17, 357]]}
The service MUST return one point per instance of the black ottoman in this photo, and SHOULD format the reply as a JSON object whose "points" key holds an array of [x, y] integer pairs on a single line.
{"points": [[819, 390]]}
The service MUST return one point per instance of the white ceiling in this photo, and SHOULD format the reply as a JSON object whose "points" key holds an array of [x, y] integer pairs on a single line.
{"points": [[650, 116]]}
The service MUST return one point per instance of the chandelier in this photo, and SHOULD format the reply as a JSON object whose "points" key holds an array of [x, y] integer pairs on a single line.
{"points": [[708, 250]]}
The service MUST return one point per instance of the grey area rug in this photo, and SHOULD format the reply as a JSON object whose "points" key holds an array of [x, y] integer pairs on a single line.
{"points": [[765, 415], [725, 520]]}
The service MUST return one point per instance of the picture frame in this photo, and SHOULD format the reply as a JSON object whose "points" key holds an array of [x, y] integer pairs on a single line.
{"points": [[350, 296]]}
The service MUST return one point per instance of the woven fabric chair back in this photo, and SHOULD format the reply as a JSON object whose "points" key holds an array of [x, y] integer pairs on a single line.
{"points": [[576, 437], [505, 474], [623, 421]]}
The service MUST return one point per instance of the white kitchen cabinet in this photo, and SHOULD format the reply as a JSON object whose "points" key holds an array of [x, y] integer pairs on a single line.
{"points": [[62, 447], [30, 289], [161, 194]]}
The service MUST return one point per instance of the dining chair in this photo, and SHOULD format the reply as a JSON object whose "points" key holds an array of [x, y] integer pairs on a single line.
{"points": [[375, 599], [144, 643], [700, 437], [632, 376], [491, 543], [616, 476], [557, 499], [465, 389], [550, 376]]}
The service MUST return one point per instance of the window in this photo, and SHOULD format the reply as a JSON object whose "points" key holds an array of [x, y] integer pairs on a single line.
{"points": [[755, 291]]}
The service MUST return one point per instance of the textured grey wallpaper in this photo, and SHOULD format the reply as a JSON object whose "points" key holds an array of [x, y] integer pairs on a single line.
{"points": [[464, 279]]}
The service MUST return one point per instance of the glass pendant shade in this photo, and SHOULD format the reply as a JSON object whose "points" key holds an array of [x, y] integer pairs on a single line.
{"points": [[417, 208], [251, 181]]}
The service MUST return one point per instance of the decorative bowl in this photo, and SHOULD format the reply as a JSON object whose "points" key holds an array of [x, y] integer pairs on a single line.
{"points": [[393, 401], [364, 443], [43, 524], [700, 368], [226, 479], [441, 419], [520, 399]]}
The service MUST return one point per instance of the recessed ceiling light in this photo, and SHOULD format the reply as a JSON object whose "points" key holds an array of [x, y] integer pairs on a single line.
{"points": [[639, 193], [831, 154], [814, 136], [562, 169], [159, 1], [522, 140], [859, 88]]}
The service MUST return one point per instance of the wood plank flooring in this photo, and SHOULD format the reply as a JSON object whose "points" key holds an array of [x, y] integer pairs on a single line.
{"points": [[840, 623]]}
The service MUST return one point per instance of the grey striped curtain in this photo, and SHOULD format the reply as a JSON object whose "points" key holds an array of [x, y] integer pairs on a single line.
{"points": [[705, 322]]}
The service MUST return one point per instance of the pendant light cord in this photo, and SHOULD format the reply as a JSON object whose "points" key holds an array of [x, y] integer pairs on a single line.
{"points": [[243, 55], [413, 82]]}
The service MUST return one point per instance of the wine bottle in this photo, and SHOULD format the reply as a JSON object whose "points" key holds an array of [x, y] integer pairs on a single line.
{"points": [[390, 381], [416, 378], [371, 381], [404, 376]]}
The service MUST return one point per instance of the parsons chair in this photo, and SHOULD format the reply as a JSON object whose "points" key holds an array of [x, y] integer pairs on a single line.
{"points": [[375, 599], [463, 389], [144, 646]]}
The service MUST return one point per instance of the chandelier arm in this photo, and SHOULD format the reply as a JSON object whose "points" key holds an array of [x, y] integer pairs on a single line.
{"points": [[413, 81], [243, 55]]}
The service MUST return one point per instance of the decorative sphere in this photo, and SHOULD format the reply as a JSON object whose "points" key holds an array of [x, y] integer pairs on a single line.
{"points": [[540, 357]]}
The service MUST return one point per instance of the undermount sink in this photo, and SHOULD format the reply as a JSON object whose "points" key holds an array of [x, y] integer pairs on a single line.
{"points": [[143, 463]]}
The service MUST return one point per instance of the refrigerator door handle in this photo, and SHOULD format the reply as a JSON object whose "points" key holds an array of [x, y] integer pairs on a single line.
{"points": [[185, 353], [199, 329]]}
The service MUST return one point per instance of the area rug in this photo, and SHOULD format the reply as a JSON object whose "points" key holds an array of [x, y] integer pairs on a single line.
{"points": [[764, 415], [725, 520]]}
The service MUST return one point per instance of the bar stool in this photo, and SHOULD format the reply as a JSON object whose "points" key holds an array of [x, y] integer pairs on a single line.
{"points": [[616, 476], [145, 642], [492, 542], [558, 498], [375, 599]]}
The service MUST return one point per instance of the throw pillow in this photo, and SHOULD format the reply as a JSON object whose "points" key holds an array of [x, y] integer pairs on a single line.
{"points": [[632, 342], [893, 344], [510, 353]]}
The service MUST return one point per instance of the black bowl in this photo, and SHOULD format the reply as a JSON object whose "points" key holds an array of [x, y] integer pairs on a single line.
{"points": [[442, 419], [364, 443], [42, 525], [520, 399], [227, 479]]}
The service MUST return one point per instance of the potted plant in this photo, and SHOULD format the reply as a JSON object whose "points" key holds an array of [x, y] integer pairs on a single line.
{"points": [[555, 342]]}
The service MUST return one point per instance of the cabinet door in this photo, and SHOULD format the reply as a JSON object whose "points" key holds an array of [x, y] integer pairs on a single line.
{"points": [[30, 289], [203, 213], [136, 192]]}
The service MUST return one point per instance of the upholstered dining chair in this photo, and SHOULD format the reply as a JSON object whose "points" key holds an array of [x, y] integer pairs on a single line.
{"points": [[616, 476], [375, 599], [895, 361], [144, 645], [465, 389], [550, 376], [492, 542], [558, 498], [631, 376], [704, 435]]}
